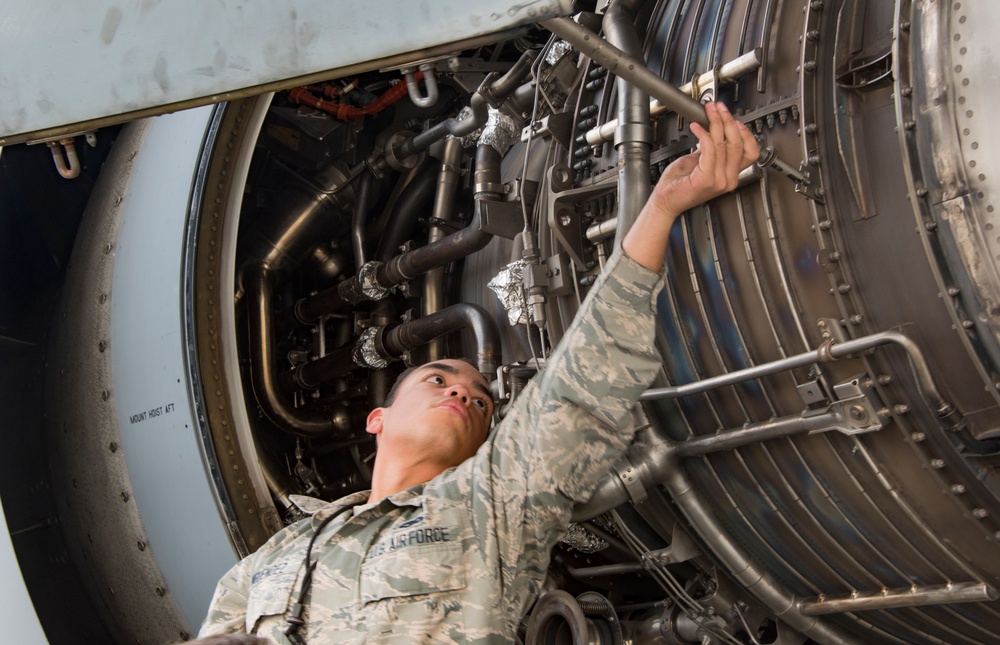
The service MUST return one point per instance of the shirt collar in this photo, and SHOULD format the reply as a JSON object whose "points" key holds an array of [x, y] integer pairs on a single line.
{"points": [[413, 496]]}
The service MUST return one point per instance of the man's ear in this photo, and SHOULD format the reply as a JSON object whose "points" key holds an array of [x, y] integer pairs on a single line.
{"points": [[374, 425]]}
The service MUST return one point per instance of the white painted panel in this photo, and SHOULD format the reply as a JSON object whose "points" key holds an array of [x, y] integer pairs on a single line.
{"points": [[67, 61], [172, 486]]}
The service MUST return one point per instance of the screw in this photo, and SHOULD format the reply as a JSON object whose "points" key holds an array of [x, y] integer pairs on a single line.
{"points": [[900, 408]]}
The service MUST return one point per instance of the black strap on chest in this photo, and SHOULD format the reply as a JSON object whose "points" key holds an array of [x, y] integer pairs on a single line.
{"points": [[294, 618]]}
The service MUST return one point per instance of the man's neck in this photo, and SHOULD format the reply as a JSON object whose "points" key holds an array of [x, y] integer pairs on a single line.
{"points": [[391, 480]]}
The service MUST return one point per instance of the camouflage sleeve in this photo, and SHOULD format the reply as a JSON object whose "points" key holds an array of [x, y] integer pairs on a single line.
{"points": [[580, 415], [228, 611], [568, 425]]}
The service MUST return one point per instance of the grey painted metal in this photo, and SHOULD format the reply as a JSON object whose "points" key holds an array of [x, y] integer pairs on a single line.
{"points": [[68, 63], [171, 484]]}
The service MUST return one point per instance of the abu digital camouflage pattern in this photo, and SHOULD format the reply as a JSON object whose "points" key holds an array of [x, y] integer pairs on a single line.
{"points": [[461, 558]]}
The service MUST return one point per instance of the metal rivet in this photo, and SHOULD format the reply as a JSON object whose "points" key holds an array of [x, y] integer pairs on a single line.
{"points": [[958, 489], [125, 496], [900, 408], [937, 464], [113, 447], [141, 545]]}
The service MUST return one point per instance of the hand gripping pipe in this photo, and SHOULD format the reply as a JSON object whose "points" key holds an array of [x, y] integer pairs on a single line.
{"points": [[622, 65]]}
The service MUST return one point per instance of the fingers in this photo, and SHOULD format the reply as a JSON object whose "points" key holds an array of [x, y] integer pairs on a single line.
{"points": [[751, 149], [738, 147], [734, 145]]}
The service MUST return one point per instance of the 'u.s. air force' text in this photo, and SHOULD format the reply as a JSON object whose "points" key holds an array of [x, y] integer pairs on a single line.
{"points": [[405, 539]]}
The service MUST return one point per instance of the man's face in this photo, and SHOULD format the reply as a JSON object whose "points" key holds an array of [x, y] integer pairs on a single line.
{"points": [[442, 408]]}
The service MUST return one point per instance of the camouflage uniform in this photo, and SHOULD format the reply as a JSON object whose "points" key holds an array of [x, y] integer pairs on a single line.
{"points": [[461, 558]]}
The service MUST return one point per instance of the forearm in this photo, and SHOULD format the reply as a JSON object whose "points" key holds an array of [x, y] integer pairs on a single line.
{"points": [[646, 242]]}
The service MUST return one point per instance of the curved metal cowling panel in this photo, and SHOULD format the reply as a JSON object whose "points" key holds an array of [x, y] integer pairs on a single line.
{"points": [[767, 273]]}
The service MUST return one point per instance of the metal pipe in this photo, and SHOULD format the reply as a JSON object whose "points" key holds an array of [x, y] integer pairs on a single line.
{"points": [[408, 266], [914, 596], [375, 279], [455, 127], [324, 369], [827, 352], [492, 92], [634, 135], [599, 571], [725, 73], [413, 334], [362, 287], [649, 463], [755, 433], [634, 71], [409, 208], [748, 573], [311, 211], [504, 86], [624, 66], [258, 281], [604, 230], [69, 166], [361, 206], [449, 176]]}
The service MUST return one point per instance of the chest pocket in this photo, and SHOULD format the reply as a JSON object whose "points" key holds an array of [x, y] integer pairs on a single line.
{"points": [[416, 570], [270, 593]]}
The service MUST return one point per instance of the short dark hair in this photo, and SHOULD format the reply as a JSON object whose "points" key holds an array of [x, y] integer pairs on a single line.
{"points": [[394, 390]]}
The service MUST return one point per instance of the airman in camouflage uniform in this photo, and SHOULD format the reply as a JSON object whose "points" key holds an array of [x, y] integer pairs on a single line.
{"points": [[461, 557]]}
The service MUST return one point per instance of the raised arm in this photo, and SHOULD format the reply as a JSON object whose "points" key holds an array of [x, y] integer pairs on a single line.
{"points": [[724, 150], [573, 420]]}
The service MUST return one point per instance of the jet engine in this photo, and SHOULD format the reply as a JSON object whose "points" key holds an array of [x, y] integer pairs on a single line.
{"points": [[817, 461]]}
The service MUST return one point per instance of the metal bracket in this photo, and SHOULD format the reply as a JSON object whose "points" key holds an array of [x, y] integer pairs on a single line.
{"points": [[505, 217], [629, 476], [565, 220], [858, 404]]}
